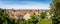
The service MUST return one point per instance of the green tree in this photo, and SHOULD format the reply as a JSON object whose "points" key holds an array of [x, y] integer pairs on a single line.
{"points": [[55, 8], [2, 16], [4, 19], [43, 14]]}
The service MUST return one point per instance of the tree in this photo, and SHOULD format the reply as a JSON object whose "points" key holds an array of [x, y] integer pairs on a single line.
{"points": [[43, 14], [55, 8], [4, 17]]}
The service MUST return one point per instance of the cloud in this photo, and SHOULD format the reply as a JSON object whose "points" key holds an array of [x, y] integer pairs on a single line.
{"points": [[24, 5]]}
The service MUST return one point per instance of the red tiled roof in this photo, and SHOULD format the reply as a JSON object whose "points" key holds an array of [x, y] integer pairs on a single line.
{"points": [[21, 12]]}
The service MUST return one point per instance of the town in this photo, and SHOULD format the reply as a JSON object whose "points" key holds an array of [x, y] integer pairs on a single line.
{"points": [[25, 13], [29, 11]]}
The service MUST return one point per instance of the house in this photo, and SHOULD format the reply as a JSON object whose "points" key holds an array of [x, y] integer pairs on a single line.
{"points": [[26, 16], [48, 15], [17, 14]]}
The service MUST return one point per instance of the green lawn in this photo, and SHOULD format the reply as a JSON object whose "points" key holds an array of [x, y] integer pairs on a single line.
{"points": [[46, 21]]}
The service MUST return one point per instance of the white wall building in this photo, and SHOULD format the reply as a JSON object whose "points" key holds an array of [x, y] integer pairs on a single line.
{"points": [[26, 16]]}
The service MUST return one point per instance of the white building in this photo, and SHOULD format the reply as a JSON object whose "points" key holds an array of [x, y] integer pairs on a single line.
{"points": [[48, 15], [26, 16]]}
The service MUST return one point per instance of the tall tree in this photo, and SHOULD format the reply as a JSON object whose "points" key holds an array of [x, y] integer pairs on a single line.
{"points": [[55, 8]]}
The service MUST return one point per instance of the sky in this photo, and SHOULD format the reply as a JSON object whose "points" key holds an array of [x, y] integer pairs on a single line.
{"points": [[25, 4]]}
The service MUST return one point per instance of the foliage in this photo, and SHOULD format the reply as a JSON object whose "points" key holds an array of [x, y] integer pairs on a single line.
{"points": [[43, 14], [55, 7], [4, 17], [30, 21]]}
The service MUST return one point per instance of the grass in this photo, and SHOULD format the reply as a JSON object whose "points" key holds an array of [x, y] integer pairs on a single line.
{"points": [[46, 21]]}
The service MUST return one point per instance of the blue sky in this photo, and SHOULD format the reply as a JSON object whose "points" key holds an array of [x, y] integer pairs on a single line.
{"points": [[25, 4]]}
